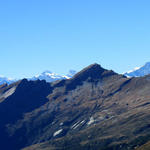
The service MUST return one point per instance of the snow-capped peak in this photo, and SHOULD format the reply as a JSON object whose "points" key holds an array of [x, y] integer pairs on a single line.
{"points": [[136, 68], [139, 71], [50, 76], [47, 75]]}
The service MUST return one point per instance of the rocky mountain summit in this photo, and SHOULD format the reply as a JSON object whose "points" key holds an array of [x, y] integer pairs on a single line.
{"points": [[95, 109]]}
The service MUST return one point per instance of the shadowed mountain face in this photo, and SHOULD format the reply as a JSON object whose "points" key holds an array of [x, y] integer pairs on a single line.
{"points": [[96, 109], [16, 100]]}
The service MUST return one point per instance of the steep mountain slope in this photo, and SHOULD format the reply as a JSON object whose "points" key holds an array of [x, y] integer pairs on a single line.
{"points": [[96, 109], [139, 71]]}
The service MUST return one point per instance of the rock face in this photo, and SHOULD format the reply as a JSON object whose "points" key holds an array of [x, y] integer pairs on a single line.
{"points": [[96, 109]]}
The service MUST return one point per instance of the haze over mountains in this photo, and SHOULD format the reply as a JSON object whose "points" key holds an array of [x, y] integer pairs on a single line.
{"points": [[95, 109]]}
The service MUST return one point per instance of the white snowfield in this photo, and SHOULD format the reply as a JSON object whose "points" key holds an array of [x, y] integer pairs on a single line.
{"points": [[76, 125], [139, 71], [91, 121], [57, 132], [136, 68]]}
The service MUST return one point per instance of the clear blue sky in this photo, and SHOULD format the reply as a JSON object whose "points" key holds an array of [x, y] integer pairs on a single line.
{"points": [[58, 35]]}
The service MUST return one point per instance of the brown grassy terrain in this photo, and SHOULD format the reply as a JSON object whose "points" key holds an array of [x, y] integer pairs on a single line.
{"points": [[97, 109], [144, 147]]}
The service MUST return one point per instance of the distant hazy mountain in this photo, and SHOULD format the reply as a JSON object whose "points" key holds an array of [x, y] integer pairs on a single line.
{"points": [[50, 76], [46, 75], [139, 71], [6, 80]]}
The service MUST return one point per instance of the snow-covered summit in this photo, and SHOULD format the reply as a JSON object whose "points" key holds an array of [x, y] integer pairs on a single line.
{"points": [[50, 76], [139, 71], [46, 75]]}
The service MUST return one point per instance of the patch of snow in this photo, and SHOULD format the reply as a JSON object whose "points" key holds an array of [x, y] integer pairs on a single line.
{"points": [[105, 110], [82, 122], [101, 118], [76, 125], [139, 71], [61, 123], [128, 76], [57, 132], [91, 121], [111, 117], [53, 122], [136, 68], [36, 76], [10, 79], [66, 77]]}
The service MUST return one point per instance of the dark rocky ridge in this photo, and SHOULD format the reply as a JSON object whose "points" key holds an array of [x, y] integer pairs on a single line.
{"points": [[28, 96], [96, 109]]}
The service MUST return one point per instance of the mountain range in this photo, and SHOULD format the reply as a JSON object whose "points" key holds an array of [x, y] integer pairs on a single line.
{"points": [[46, 75], [96, 109], [50, 76]]}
